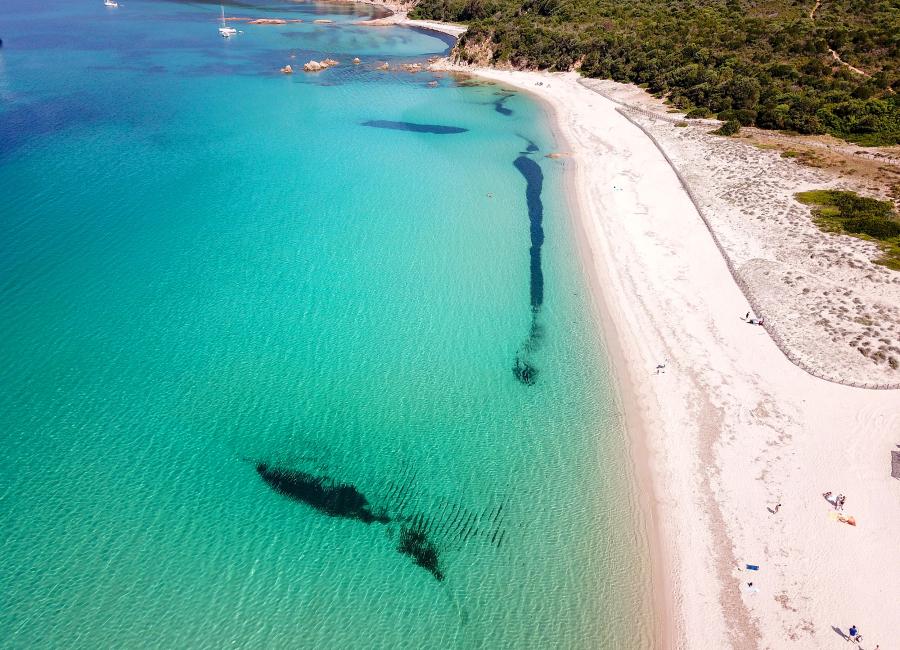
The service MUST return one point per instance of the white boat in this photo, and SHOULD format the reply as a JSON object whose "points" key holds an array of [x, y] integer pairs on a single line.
{"points": [[111, 3], [224, 31]]}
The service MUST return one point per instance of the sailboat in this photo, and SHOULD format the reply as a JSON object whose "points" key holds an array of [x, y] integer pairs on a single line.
{"points": [[224, 31], [111, 3]]}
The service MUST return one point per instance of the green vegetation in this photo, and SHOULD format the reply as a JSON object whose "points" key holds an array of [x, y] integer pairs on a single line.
{"points": [[731, 127], [808, 158], [860, 216], [760, 62]]}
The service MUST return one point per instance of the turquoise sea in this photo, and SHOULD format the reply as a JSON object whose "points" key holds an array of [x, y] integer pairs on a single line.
{"points": [[294, 361]]}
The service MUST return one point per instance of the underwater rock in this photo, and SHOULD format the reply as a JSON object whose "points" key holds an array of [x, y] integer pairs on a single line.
{"points": [[525, 372], [287, 69], [321, 493], [534, 181], [438, 129], [384, 66], [327, 63], [422, 535], [415, 544]]}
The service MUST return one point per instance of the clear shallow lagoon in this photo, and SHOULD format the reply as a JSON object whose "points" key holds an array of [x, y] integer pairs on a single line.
{"points": [[205, 265]]}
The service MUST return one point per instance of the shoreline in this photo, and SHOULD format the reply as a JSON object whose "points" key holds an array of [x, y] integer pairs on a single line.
{"points": [[659, 588], [397, 15], [732, 426]]}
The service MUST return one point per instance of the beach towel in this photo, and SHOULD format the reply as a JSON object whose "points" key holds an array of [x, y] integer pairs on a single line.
{"points": [[836, 516]]}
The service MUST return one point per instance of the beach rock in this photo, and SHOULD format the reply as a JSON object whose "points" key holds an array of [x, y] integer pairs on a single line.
{"points": [[356, 60], [312, 66], [268, 21], [327, 63], [412, 67], [384, 66], [287, 69], [322, 21]]}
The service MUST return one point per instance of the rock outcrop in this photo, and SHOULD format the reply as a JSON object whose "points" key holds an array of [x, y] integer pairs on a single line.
{"points": [[316, 66]]}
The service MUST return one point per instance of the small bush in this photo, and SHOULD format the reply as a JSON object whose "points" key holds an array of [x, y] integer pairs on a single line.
{"points": [[731, 127], [745, 116], [698, 113]]}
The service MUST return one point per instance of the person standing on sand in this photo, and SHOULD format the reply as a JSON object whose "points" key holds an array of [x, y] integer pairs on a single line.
{"points": [[747, 317], [838, 502], [853, 633]]}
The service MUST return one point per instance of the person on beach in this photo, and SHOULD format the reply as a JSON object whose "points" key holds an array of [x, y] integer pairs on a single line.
{"points": [[839, 502], [853, 633], [747, 316], [776, 508]]}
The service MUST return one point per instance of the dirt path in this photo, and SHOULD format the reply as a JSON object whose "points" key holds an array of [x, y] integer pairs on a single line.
{"points": [[837, 58], [835, 55], [812, 13]]}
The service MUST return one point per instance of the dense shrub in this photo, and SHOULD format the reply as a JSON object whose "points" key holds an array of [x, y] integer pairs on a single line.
{"points": [[698, 113], [849, 213], [731, 127]]}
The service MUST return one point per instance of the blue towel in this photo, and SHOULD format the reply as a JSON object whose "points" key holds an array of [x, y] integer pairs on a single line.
{"points": [[753, 567]]}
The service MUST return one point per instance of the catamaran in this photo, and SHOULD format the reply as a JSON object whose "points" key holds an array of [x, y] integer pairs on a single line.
{"points": [[225, 31]]}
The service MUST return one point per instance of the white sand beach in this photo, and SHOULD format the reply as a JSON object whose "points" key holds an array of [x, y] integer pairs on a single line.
{"points": [[731, 427]]}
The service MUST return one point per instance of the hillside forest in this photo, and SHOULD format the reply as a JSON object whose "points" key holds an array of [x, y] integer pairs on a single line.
{"points": [[809, 67]]}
